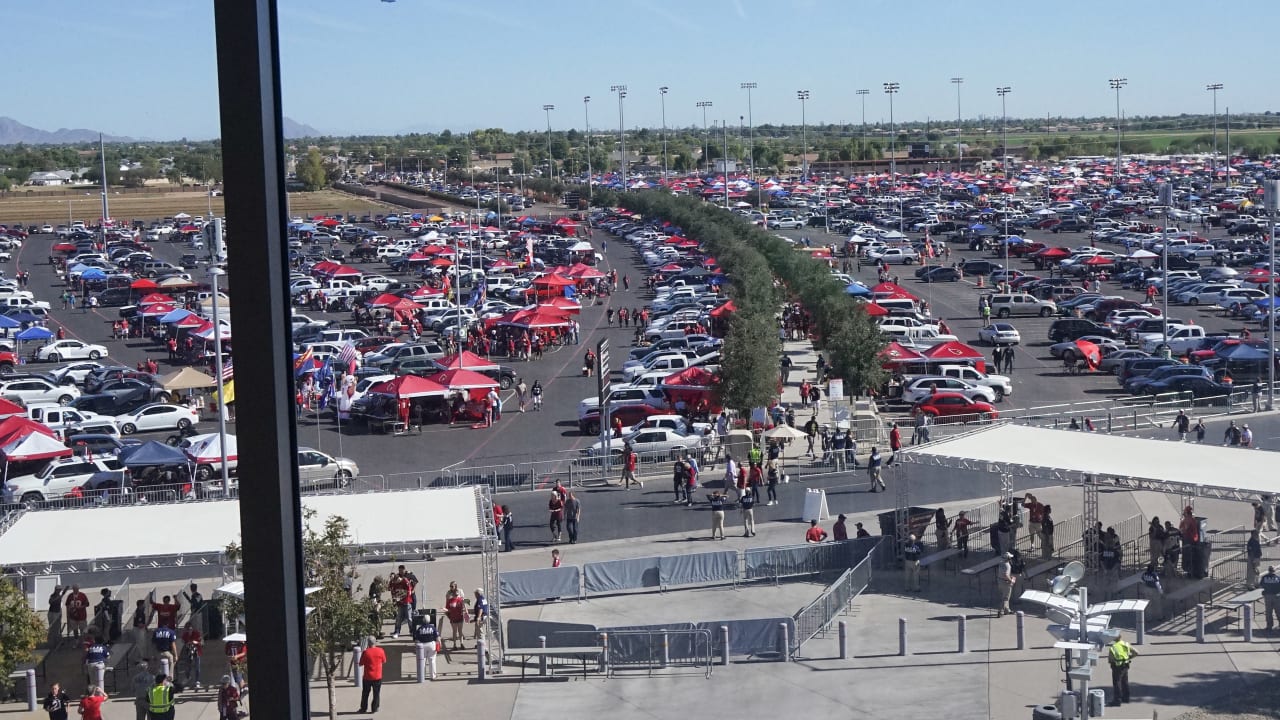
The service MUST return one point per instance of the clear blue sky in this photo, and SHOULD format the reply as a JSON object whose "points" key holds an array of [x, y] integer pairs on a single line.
{"points": [[146, 68]]}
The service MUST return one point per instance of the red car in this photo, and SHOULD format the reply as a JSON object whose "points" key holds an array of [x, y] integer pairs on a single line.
{"points": [[942, 405], [373, 344]]}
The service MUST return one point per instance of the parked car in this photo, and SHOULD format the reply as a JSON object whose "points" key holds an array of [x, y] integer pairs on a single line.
{"points": [[921, 389], [58, 478], [320, 469], [954, 407], [158, 416], [69, 349], [999, 333], [38, 390]]}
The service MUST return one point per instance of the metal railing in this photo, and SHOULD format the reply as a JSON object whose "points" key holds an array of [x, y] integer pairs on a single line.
{"points": [[1132, 532], [774, 563], [818, 615], [652, 650]]}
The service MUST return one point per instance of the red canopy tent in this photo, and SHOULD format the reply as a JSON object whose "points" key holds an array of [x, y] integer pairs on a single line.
{"points": [[10, 409], [875, 310], [34, 446], [891, 290], [531, 318], [157, 309], [502, 264], [554, 280], [410, 386], [473, 382], [584, 272], [384, 300], [562, 305], [143, 284], [154, 298], [895, 355], [958, 352], [693, 377], [724, 310], [465, 360], [425, 291]]}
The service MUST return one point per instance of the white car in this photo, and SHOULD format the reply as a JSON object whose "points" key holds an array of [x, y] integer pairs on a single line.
{"points": [[785, 223], [38, 390], [157, 416], [317, 468], [919, 389], [649, 440], [75, 373], [69, 349], [57, 479], [999, 333]]}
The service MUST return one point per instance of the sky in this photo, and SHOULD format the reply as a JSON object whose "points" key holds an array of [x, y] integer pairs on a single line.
{"points": [[146, 68]]}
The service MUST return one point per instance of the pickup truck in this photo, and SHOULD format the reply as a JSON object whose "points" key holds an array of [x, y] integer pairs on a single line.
{"points": [[60, 419], [1182, 338], [921, 337], [999, 384], [59, 478]]}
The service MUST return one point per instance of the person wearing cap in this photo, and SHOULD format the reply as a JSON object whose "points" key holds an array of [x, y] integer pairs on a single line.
{"points": [[840, 531], [228, 700], [912, 551], [142, 680], [480, 613], [1153, 591], [1005, 579], [859, 531], [1270, 584], [747, 503], [1120, 656]]}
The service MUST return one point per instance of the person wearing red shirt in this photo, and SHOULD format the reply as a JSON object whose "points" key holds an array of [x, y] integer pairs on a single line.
{"points": [[895, 439], [237, 652], [455, 608], [192, 638], [372, 660], [166, 613], [840, 531], [814, 534], [228, 700], [77, 612], [961, 526], [91, 704]]}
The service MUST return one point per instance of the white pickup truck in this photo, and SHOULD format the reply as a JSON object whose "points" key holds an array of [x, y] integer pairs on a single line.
{"points": [[1000, 384], [921, 337], [1181, 339]]}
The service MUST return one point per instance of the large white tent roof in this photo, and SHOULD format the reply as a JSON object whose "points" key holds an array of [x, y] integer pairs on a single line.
{"points": [[206, 528], [1157, 464]]}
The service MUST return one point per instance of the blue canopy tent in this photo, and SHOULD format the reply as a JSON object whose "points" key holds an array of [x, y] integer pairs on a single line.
{"points": [[1013, 240], [978, 227], [22, 316], [175, 315], [152, 454], [858, 290], [34, 333], [7, 322], [93, 273], [1244, 352]]}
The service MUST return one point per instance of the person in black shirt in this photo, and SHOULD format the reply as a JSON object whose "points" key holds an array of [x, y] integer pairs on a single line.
{"points": [[426, 636], [55, 703]]}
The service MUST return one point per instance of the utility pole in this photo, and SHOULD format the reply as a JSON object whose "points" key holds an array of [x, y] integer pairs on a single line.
{"points": [[586, 116], [622, 135], [891, 89], [1116, 84], [1213, 167], [725, 123], [706, 138], [102, 153], [551, 166], [958, 81], [751, 138], [1004, 148], [803, 95], [662, 98]]}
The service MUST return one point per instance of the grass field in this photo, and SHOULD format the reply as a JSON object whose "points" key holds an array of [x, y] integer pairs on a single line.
{"points": [[1105, 143], [57, 208]]}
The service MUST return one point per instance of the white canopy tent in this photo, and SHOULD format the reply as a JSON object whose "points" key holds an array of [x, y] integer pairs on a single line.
{"points": [[409, 522]]}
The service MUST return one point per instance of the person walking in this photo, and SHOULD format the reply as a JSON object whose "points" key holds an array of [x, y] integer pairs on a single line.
{"points": [[911, 554], [1199, 430], [1120, 656], [455, 608], [371, 662], [678, 471], [1155, 541], [142, 680], [747, 504], [535, 393], [55, 615], [1270, 584], [228, 700], [1005, 580], [962, 525], [160, 698], [572, 514], [1253, 560], [555, 508], [941, 529], [508, 523], [1008, 359], [629, 462], [771, 482], [1035, 516], [717, 500], [426, 636], [895, 442], [873, 471], [522, 394], [730, 475], [56, 702], [1046, 533], [479, 613], [1181, 425]]}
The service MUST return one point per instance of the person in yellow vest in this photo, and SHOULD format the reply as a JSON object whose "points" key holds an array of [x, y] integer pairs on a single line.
{"points": [[1120, 656], [160, 698]]}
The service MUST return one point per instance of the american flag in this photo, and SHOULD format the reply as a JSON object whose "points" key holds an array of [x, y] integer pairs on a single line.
{"points": [[227, 372], [348, 354]]}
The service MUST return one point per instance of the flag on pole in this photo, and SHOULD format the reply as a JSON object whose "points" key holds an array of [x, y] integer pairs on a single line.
{"points": [[347, 354], [227, 372]]}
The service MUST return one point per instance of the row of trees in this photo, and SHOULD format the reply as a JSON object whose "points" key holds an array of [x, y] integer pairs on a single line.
{"points": [[763, 272], [201, 161]]}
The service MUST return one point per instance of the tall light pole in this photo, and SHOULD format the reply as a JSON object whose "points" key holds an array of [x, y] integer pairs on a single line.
{"points": [[551, 166], [1213, 167], [891, 89], [751, 134], [863, 94], [214, 273], [803, 96], [586, 118], [706, 139], [1004, 120], [1271, 199], [1116, 84], [622, 135], [662, 97], [958, 81]]}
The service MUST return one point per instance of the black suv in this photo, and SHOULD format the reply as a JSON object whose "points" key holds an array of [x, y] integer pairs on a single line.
{"points": [[1064, 329], [1071, 224], [979, 267]]}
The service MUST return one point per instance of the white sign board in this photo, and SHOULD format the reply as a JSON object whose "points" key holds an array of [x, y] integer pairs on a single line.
{"points": [[835, 389], [815, 505]]}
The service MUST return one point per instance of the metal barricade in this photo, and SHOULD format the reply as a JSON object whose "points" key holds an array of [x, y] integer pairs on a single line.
{"points": [[1132, 532], [652, 650], [818, 615], [773, 563]]}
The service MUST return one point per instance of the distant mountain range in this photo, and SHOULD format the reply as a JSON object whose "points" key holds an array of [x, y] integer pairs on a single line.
{"points": [[13, 132]]}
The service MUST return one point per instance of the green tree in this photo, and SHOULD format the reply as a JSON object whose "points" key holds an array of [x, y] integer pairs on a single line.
{"points": [[341, 617], [311, 172], [749, 361], [20, 628]]}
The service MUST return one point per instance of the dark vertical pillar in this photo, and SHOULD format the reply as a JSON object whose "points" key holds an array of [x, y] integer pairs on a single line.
{"points": [[253, 167]]}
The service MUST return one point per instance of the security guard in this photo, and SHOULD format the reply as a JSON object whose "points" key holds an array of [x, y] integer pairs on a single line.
{"points": [[1120, 655], [426, 636], [1270, 584], [911, 554], [160, 699], [1153, 591]]}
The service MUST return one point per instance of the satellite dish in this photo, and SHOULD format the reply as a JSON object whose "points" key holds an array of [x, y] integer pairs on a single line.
{"points": [[1074, 570], [1061, 585], [1059, 616]]}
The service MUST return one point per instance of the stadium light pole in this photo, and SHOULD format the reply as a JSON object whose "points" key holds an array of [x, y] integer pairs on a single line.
{"points": [[622, 135], [958, 81], [586, 118], [706, 139], [891, 89], [1004, 121], [1213, 167], [551, 166], [751, 139], [803, 95], [1116, 84], [1271, 200], [662, 97]]}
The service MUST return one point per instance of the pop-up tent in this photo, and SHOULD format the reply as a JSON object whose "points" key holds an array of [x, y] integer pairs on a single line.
{"points": [[153, 454]]}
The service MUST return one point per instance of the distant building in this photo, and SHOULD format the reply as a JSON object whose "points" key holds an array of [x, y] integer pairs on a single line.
{"points": [[725, 166], [47, 178]]}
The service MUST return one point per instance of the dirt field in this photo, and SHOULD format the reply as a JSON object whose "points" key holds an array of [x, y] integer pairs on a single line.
{"points": [[56, 209]]}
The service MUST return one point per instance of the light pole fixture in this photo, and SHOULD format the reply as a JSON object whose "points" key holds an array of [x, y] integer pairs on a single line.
{"points": [[864, 93], [1004, 120], [751, 135], [622, 135], [803, 96], [551, 167], [586, 118], [958, 81], [706, 139], [891, 89], [1116, 84], [1213, 167], [662, 97]]}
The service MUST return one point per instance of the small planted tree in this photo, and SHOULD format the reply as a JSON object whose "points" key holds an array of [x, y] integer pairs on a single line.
{"points": [[20, 628]]}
